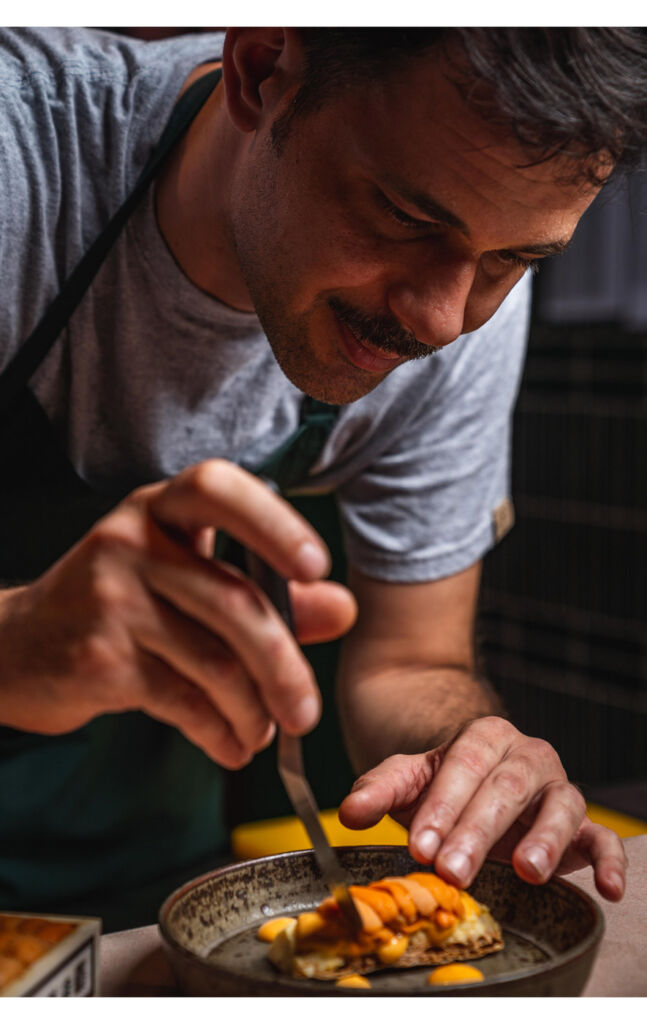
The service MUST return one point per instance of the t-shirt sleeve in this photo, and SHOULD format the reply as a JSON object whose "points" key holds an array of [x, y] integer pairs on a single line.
{"points": [[437, 498]]}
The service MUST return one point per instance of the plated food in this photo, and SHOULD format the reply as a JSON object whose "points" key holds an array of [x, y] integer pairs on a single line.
{"points": [[407, 921], [210, 927]]}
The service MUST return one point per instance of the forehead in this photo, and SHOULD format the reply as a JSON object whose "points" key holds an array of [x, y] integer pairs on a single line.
{"points": [[413, 126]]}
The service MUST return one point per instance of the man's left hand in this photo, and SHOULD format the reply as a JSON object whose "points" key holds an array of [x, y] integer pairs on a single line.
{"points": [[489, 791]]}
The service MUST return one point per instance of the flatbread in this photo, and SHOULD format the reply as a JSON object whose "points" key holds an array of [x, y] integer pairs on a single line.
{"points": [[445, 926]]}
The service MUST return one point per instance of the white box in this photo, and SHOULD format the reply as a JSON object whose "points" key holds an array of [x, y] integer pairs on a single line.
{"points": [[69, 967]]}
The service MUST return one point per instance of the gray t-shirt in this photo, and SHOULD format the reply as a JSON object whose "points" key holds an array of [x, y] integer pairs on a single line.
{"points": [[152, 374]]}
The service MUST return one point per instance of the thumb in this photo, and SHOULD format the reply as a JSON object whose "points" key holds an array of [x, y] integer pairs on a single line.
{"points": [[323, 610], [393, 787]]}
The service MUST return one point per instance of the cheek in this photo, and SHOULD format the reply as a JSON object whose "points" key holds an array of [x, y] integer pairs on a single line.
{"points": [[331, 255], [485, 298], [324, 227]]}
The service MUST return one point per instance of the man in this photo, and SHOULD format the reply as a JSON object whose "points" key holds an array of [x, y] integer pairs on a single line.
{"points": [[359, 200]]}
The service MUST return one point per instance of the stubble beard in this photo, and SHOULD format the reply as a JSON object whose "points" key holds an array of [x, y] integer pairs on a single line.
{"points": [[289, 337], [289, 341]]}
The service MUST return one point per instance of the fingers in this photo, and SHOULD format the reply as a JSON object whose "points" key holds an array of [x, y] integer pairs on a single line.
{"points": [[201, 658], [162, 693], [216, 596], [537, 856], [462, 767], [230, 606], [218, 493], [602, 848], [490, 777]]}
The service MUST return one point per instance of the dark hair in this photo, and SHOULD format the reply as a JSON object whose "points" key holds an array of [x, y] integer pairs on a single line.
{"points": [[576, 92]]}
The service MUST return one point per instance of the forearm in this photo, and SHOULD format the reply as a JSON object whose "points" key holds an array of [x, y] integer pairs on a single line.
{"points": [[407, 709], [14, 697]]}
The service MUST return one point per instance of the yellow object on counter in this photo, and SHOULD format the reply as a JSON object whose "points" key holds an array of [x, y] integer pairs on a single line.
{"points": [[623, 824], [283, 835]]}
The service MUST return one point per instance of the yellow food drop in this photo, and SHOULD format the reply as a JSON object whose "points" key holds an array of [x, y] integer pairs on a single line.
{"points": [[455, 974], [268, 931], [308, 923], [353, 981], [392, 950], [470, 906]]}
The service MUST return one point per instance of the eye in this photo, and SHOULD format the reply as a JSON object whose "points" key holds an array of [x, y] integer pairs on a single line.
{"points": [[515, 260], [398, 215]]}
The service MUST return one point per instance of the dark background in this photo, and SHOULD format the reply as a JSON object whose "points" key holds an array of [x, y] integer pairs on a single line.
{"points": [[564, 602]]}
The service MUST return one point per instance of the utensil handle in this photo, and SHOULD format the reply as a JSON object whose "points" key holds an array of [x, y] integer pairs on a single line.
{"points": [[273, 585]]}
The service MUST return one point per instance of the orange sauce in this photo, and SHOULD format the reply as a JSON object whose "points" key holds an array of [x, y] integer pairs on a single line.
{"points": [[455, 974], [270, 929], [391, 951], [353, 981], [445, 918]]}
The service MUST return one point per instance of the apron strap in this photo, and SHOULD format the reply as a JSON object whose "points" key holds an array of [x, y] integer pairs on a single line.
{"points": [[288, 466], [30, 355]]}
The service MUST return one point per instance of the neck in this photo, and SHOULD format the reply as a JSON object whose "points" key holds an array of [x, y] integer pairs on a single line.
{"points": [[191, 201]]}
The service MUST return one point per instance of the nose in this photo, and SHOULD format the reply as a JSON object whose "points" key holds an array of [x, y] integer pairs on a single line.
{"points": [[432, 300]]}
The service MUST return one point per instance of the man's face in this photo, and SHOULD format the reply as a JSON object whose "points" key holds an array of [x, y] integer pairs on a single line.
{"points": [[390, 222]]}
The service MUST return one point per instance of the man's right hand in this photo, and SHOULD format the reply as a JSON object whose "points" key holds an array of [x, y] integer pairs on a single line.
{"points": [[137, 616]]}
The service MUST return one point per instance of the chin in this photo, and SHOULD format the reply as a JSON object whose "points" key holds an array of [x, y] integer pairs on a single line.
{"points": [[311, 363], [332, 386]]}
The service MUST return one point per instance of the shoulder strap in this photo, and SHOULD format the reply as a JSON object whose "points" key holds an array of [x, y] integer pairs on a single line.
{"points": [[35, 348], [288, 466]]}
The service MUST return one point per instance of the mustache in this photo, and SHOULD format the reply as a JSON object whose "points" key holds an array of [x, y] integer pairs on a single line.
{"points": [[382, 331]]}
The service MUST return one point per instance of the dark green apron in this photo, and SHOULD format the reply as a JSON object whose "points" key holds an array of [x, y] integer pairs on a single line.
{"points": [[108, 819]]}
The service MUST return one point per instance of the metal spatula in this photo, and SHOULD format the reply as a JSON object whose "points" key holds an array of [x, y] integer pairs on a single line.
{"points": [[290, 761]]}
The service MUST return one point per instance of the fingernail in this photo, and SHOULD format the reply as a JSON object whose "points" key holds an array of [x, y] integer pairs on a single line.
{"points": [[459, 864], [312, 560], [428, 843], [616, 882], [538, 859], [306, 714]]}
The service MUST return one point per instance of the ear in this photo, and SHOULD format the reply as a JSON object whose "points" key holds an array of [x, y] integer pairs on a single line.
{"points": [[260, 67]]}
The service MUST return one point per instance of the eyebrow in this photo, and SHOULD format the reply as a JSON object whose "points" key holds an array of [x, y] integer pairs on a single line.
{"points": [[431, 208], [426, 204]]}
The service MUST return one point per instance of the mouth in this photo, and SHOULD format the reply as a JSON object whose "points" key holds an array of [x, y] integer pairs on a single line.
{"points": [[363, 354]]}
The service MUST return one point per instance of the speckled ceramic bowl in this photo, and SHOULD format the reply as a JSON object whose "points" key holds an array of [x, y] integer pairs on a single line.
{"points": [[551, 932]]}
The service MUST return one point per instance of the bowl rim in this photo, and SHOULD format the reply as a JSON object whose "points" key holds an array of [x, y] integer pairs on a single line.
{"points": [[583, 947]]}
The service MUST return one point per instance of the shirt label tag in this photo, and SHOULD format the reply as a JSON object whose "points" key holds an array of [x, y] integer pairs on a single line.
{"points": [[503, 519]]}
